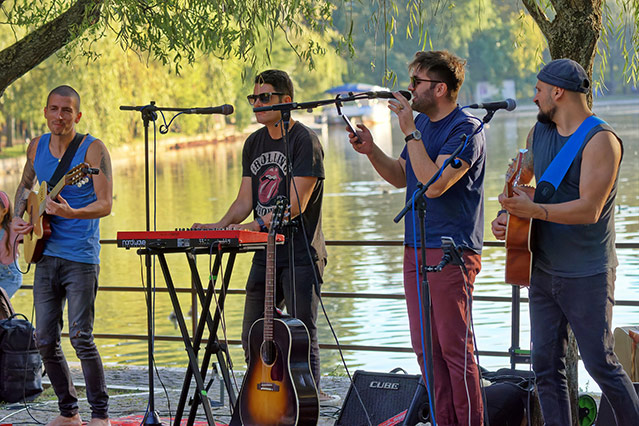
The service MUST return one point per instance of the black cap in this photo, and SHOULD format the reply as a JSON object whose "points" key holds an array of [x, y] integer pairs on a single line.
{"points": [[565, 73]]}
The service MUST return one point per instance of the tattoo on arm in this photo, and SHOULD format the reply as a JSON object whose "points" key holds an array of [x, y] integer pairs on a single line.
{"points": [[105, 165], [24, 188]]}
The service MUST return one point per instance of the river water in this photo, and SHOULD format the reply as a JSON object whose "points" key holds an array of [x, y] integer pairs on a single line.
{"points": [[198, 184]]}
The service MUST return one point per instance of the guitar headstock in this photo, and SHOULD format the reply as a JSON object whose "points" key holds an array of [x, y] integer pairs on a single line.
{"points": [[279, 212], [514, 171], [79, 174]]}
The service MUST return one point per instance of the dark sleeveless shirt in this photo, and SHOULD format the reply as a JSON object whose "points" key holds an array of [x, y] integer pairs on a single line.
{"points": [[571, 250]]}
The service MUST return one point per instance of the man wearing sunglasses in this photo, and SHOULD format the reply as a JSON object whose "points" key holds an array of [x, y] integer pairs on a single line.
{"points": [[264, 178], [454, 209]]}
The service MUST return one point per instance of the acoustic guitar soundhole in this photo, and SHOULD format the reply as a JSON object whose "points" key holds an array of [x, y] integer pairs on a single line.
{"points": [[268, 352]]}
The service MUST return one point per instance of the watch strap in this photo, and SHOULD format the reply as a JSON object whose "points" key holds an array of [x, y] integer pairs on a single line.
{"points": [[260, 222]]}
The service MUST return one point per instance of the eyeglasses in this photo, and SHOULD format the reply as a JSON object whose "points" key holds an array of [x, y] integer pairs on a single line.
{"points": [[415, 80], [263, 97]]}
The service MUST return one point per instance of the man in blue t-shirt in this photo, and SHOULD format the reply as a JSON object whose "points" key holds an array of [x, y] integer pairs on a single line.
{"points": [[68, 271], [454, 208]]}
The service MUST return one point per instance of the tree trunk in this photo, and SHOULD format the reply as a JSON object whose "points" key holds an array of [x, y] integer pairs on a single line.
{"points": [[24, 55], [573, 33]]}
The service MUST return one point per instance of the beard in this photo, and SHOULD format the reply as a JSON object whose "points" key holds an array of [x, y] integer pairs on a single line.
{"points": [[545, 117]]}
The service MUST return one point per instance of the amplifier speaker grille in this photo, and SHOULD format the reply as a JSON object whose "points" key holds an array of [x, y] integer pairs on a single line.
{"points": [[385, 395]]}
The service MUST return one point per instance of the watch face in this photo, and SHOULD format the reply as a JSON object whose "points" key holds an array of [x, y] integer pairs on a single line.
{"points": [[415, 135]]}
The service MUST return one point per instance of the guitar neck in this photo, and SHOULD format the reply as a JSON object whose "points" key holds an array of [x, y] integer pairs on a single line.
{"points": [[269, 292], [44, 191]]}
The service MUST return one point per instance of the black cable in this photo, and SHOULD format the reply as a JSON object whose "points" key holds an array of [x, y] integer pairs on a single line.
{"points": [[321, 301]]}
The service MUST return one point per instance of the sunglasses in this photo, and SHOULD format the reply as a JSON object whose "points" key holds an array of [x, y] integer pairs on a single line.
{"points": [[415, 80], [263, 97]]}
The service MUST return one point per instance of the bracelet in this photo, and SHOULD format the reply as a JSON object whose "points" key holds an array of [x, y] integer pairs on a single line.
{"points": [[501, 211], [545, 211], [260, 222]]}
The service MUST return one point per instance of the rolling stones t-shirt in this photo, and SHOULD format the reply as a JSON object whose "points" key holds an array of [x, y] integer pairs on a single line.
{"points": [[264, 161]]}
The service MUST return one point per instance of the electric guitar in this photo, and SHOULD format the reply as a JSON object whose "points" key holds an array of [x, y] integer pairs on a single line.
{"points": [[518, 231], [278, 387], [35, 212]]}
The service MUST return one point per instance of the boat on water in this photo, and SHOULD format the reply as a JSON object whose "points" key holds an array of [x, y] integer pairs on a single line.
{"points": [[367, 111]]}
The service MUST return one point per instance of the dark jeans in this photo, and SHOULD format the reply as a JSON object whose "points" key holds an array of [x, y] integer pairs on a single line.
{"points": [[306, 303], [586, 304], [58, 281]]}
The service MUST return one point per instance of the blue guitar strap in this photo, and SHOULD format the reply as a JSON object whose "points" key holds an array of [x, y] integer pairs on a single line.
{"points": [[557, 169]]}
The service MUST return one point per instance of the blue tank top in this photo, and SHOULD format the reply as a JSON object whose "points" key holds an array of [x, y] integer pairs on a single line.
{"points": [[71, 239], [571, 250]]}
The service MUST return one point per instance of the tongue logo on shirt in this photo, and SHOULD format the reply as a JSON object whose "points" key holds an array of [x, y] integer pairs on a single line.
{"points": [[269, 182]]}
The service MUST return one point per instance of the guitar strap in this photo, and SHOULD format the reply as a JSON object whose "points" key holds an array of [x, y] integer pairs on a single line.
{"points": [[557, 169], [65, 161]]}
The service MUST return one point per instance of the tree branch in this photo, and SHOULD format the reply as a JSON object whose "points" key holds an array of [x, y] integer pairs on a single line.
{"points": [[539, 16], [24, 55]]}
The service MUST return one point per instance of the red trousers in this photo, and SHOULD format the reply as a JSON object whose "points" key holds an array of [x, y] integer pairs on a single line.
{"points": [[456, 376]]}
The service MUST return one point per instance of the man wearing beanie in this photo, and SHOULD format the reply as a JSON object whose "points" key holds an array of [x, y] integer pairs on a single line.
{"points": [[573, 239]]}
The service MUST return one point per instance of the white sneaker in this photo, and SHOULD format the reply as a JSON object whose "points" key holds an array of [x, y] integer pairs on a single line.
{"points": [[328, 399]]}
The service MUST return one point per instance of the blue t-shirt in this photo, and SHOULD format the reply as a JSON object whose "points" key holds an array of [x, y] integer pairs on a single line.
{"points": [[71, 239], [459, 212]]}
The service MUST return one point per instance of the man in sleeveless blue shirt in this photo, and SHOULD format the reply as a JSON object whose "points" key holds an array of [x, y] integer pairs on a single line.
{"points": [[68, 270], [574, 258], [454, 209]]}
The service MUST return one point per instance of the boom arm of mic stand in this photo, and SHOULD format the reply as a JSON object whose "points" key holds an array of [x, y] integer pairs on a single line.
{"points": [[309, 105], [424, 187]]}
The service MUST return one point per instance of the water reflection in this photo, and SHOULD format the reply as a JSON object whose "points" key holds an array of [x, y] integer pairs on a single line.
{"points": [[198, 184]]}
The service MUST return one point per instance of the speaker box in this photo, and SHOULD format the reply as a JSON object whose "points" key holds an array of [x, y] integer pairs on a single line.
{"points": [[388, 398], [606, 416]]}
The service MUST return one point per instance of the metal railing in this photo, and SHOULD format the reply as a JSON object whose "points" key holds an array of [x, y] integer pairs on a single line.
{"points": [[335, 294]]}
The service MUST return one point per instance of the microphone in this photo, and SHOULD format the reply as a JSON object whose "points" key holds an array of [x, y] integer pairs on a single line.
{"points": [[508, 105], [387, 95], [225, 109]]}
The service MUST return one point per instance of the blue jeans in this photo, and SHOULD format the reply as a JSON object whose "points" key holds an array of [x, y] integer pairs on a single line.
{"points": [[10, 278], [58, 281], [586, 304]]}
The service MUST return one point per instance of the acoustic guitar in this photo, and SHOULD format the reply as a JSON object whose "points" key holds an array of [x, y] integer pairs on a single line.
{"points": [[35, 240], [518, 231], [278, 387]]}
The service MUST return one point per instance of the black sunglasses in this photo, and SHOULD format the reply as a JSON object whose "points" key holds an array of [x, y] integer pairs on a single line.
{"points": [[263, 97], [415, 80]]}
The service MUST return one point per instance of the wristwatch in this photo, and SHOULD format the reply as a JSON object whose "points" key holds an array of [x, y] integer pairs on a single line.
{"points": [[415, 135], [260, 222]]}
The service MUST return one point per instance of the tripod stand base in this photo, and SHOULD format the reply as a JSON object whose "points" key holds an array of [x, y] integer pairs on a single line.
{"points": [[151, 418]]}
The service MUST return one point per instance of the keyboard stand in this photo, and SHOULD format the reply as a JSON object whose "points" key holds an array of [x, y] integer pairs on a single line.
{"points": [[195, 370]]}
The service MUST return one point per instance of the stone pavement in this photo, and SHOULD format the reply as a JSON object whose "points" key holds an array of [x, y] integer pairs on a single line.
{"points": [[133, 397]]}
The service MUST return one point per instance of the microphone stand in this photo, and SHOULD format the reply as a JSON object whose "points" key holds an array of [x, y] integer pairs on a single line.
{"points": [[420, 204], [451, 253], [149, 113]]}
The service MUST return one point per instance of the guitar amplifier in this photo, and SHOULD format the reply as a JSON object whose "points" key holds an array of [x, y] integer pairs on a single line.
{"points": [[387, 398]]}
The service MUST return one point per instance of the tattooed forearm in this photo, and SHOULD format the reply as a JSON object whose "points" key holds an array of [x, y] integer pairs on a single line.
{"points": [[24, 188]]}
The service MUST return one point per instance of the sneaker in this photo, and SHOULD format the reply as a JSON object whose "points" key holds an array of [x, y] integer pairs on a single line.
{"points": [[328, 399]]}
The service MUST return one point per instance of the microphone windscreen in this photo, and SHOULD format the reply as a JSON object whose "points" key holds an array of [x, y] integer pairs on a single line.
{"points": [[227, 109], [406, 94], [510, 104]]}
